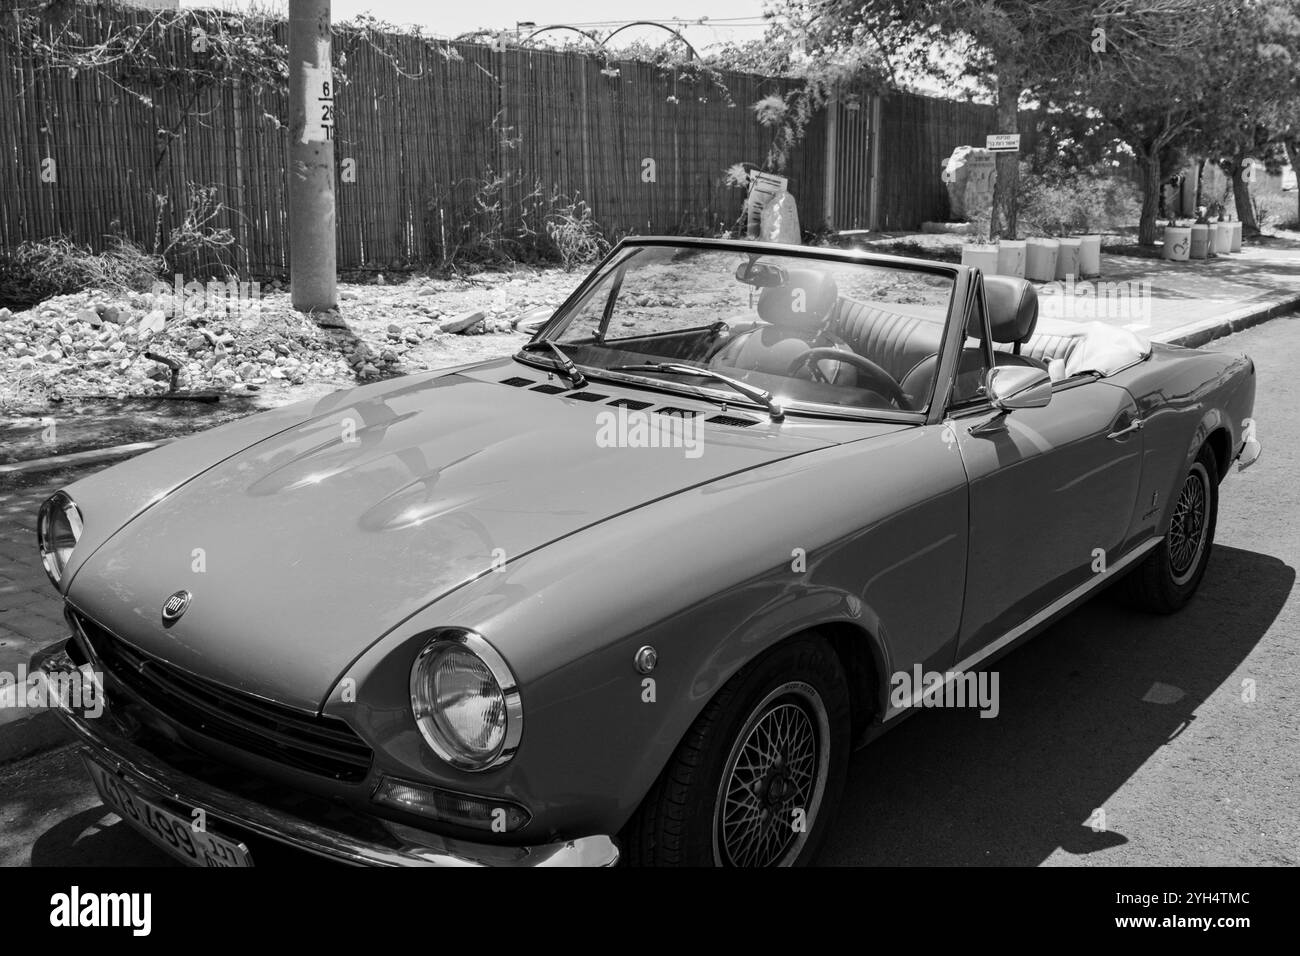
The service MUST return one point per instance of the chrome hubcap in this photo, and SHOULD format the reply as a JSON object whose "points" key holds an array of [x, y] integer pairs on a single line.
{"points": [[1187, 531], [773, 781]]}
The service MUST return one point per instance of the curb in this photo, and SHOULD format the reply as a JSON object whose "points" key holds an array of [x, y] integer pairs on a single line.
{"points": [[1195, 334], [34, 732]]}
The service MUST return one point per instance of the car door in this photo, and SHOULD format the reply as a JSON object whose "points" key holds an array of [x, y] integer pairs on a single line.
{"points": [[1052, 492]]}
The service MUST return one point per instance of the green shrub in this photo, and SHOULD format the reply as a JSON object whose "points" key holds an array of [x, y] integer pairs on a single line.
{"points": [[198, 245], [38, 269], [1275, 209], [512, 219], [578, 239], [1089, 200]]}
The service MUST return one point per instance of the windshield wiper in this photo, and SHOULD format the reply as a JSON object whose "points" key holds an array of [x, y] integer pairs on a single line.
{"points": [[760, 395], [567, 368]]}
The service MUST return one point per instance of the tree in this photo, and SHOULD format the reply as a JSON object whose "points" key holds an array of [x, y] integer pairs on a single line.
{"points": [[1292, 146], [1021, 50], [1159, 86], [1013, 48], [1255, 109]]}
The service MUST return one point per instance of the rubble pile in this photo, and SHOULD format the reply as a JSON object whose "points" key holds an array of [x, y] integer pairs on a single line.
{"points": [[93, 343]]}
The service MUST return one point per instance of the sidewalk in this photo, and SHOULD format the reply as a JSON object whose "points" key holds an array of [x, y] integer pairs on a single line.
{"points": [[1197, 301], [1192, 302]]}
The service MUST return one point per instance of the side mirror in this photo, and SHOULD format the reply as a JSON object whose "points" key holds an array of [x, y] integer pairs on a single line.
{"points": [[1019, 386]]}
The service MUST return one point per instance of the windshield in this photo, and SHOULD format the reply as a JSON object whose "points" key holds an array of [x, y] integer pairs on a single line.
{"points": [[812, 332]]}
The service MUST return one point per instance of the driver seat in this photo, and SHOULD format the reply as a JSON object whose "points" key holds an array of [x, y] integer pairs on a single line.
{"points": [[794, 317], [1013, 313]]}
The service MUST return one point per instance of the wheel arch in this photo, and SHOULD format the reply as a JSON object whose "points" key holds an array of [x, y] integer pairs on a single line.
{"points": [[861, 653], [863, 659], [1220, 443], [1214, 430]]}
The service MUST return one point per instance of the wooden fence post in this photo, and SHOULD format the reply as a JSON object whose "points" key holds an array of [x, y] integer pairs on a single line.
{"points": [[873, 216], [832, 164]]}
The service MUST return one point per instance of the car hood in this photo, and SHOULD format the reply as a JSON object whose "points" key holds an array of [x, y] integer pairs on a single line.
{"points": [[304, 548]]}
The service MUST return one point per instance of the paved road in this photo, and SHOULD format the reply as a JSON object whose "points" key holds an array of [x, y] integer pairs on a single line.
{"points": [[1141, 717]]}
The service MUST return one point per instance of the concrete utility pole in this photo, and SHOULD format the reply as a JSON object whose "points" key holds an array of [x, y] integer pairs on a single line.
{"points": [[312, 256]]}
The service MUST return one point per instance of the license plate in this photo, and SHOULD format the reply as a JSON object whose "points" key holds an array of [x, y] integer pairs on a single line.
{"points": [[171, 832]]}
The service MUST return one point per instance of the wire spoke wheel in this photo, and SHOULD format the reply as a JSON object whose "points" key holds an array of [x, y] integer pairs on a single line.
{"points": [[1189, 527], [774, 780]]}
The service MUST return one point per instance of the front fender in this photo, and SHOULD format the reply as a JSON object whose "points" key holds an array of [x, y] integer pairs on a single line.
{"points": [[1222, 403], [1184, 396]]}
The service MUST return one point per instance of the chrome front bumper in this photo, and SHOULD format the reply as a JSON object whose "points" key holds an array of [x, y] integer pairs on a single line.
{"points": [[411, 847]]}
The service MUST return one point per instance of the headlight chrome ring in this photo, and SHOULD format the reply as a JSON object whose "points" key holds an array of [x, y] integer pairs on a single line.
{"points": [[466, 701], [58, 529]]}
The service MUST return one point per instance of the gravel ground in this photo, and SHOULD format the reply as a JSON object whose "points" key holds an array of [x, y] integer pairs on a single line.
{"points": [[93, 343]]}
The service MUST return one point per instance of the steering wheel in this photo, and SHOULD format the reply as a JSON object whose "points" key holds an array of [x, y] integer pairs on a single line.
{"points": [[881, 381]]}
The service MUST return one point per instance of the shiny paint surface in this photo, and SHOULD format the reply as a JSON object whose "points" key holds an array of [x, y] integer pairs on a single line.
{"points": [[1047, 489], [403, 496], [1183, 397], [464, 502]]}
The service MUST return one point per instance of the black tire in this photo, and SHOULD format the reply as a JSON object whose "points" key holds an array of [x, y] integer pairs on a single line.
{"points": [[1171, 573], [795, 690]]}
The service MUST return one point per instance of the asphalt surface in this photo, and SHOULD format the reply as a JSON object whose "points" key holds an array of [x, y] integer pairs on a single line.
{"points": [[1141, 717]]}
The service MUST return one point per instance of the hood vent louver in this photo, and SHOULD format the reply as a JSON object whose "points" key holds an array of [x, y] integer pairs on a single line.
{"points": [[732, 420], [631, 404]]}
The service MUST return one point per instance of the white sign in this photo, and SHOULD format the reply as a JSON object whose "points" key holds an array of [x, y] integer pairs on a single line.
{"points": [[320, 105], [1003, 143], [319, 80]]}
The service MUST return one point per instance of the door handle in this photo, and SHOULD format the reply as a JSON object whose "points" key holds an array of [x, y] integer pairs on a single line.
{"points": [[1134, 426]]}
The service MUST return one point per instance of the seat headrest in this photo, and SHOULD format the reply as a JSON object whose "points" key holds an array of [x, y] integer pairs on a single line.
{"points": [[804, 301], [1013, 308]]}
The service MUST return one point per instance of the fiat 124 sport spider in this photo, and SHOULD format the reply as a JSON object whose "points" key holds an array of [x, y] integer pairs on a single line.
{"points": [[636, 592]]}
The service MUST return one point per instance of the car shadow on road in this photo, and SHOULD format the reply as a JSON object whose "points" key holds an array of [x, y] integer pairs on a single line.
{"points": [[95, 837], [1083, 706]]}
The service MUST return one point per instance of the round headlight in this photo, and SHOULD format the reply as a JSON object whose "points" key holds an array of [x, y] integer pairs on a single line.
{"points": [[466, 702], [58, 528]]}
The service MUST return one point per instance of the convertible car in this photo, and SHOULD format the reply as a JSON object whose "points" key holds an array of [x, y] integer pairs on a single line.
{"points": [[636, 592]]}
